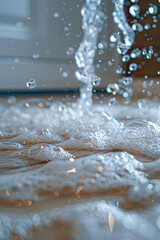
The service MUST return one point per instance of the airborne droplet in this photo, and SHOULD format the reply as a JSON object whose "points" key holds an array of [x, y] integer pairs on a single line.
{"points": [[113, 88], [134, 10], [31, 84], [133, 67], [122, 48]]}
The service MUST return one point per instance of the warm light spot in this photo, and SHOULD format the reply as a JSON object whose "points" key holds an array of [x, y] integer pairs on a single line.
{"points": [[79, 189], [29, 203], [41, 146], [56, 193], [73, 170], [43, 131], [27, 105], [7, 193], [18, 204], [41, 104], [16, 60], [110, 221], [120, 187], [100, 169]]}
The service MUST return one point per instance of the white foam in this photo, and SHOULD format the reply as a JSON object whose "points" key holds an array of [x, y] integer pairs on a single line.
{"points": [[129, 129]]}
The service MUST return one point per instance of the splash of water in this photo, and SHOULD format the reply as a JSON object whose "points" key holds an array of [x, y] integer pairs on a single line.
{"points": [[92, 22], [121, 21]]}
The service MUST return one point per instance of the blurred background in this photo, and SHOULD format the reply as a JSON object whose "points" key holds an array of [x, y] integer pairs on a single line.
{"points": [[38, 40]]}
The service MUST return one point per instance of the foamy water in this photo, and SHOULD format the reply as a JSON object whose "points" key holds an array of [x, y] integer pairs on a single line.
{"points": [[82, 171], [96, 172]]}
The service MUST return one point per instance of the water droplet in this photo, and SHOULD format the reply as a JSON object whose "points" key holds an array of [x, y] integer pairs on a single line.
{"points": [[144, 51], [126, 58], [31, 84], [151, 50], [102, 45], [133, 67], [35, 56], [66, 29], [153, 9], [114, 37], [151, 83], [119, 70], [134, 1], [112, 101], [145, 85], [113, 88], [56, 15], [134, 10], [137, 27], [96, 80], [70, 51], [110, 63], [128, 93], [65, 74], [149, 56], [154, 26], [126, 80], [149, 186], [135, 53], [122, 48], [147, 26]]}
